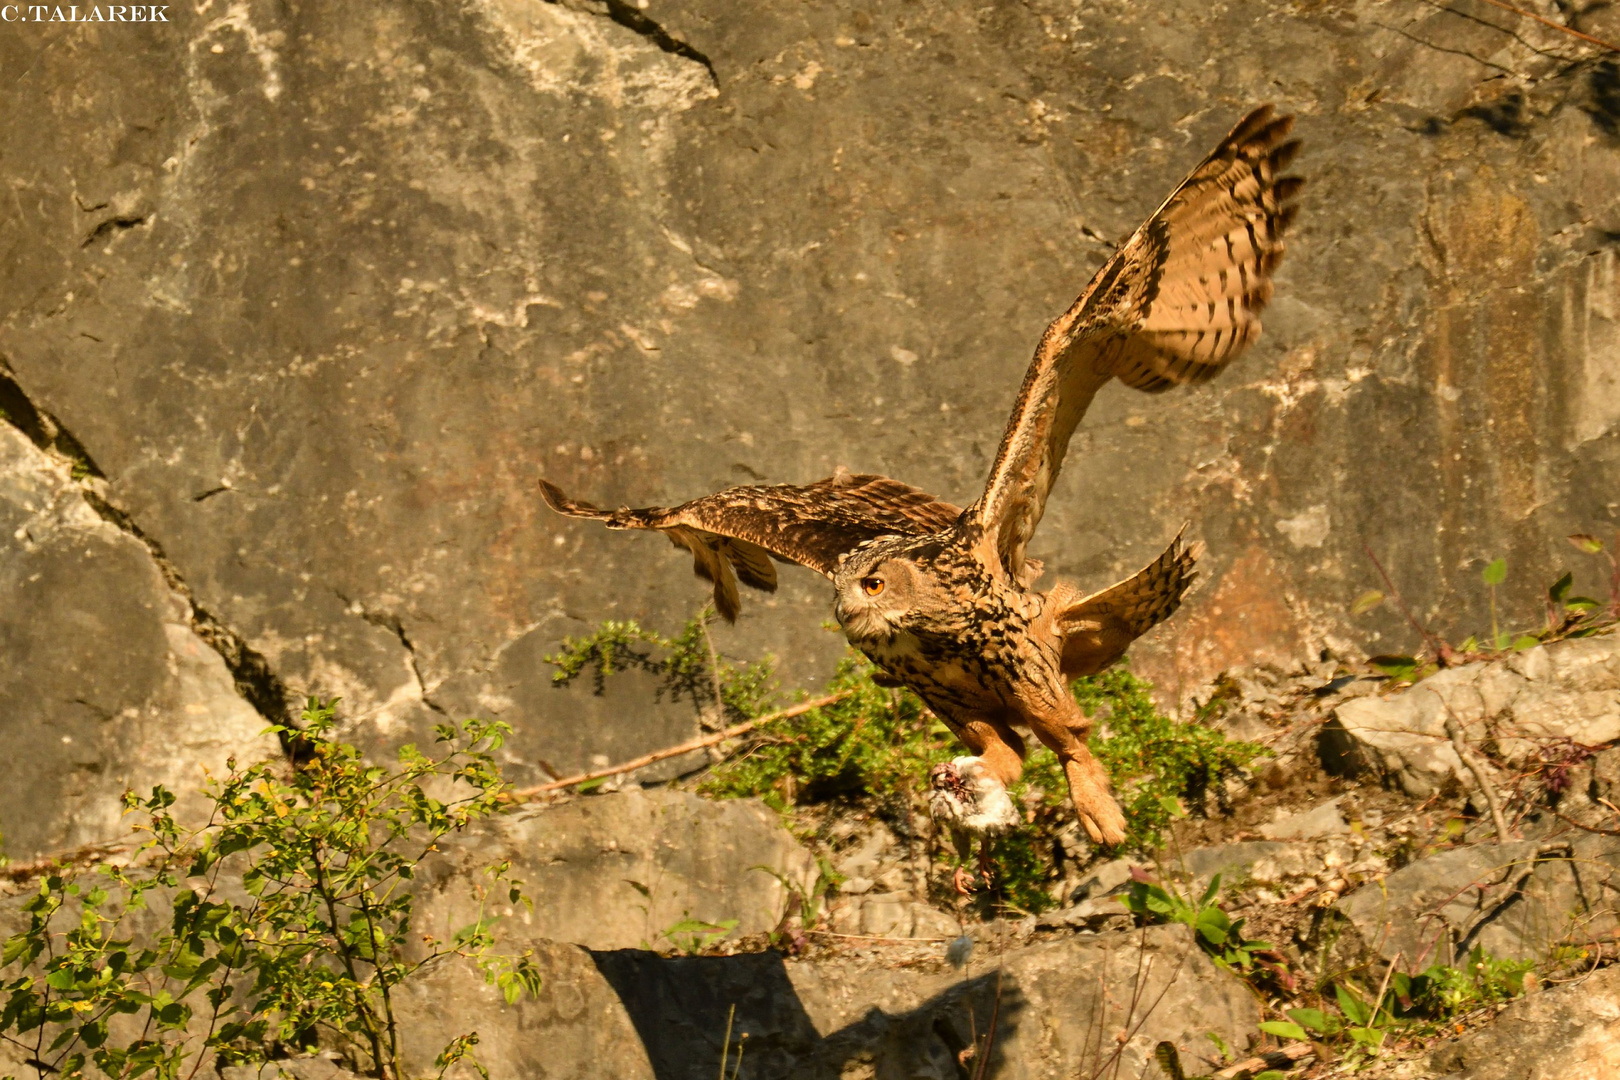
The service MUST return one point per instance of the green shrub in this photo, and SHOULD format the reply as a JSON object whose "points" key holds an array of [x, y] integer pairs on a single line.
{"points": [[875, 745], [1216, 932], [1152, 759], [1360, 1021], [686, 666], [286, 918]]}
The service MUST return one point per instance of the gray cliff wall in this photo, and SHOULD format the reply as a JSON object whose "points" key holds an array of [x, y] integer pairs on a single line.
{"points": [[322, 289]]}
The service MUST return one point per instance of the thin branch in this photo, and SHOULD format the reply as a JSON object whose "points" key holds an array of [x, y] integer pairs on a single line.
{"points": [[676, 751], [1571, 31], [1588, 828], [888, 940], [1428, 638], [990, 1035], [363, 1012], [1285, 1058], [1454, 729], [1383, 987], [88, 855]]}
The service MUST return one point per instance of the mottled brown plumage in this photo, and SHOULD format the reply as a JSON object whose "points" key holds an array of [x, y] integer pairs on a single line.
{"points": [[939, 598]]}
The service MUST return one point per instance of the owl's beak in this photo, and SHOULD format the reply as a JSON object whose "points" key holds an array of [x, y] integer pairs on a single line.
{"points": [[861, 622]]}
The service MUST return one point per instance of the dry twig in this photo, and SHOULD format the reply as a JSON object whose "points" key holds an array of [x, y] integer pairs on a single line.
{"points": [[84, 856], [1556, 26], [1285, 1058], [676, 751], [1454, 729]]}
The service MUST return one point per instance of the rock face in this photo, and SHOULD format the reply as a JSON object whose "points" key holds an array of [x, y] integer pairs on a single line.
{"points": [[1567, 1033], [615, 871], [636, 1014], [298, 301], [105, 683], [1534, 705], [322, 292], [1519, 900]]}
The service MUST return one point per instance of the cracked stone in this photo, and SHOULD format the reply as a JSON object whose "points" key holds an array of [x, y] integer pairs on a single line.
{"points": [[104, 684], [614, 871]]}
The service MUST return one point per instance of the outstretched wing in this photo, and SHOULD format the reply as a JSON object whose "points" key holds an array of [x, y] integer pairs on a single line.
{"points": [[1097, 629], [1175, 305], [733, 534]]}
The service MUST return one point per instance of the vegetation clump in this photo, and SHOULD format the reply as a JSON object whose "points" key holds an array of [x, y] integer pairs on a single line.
{"points": [[875, 745], [1155, 761], [281, 925], [686, 666]]}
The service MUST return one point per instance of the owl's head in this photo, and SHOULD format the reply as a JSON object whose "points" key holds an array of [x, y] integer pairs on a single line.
{"points": [[877, 589]]}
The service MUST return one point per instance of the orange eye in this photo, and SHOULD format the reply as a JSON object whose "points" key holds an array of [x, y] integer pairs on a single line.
{"points": [[871, 586]]}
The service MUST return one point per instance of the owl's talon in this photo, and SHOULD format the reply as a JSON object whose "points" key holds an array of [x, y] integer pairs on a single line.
{"points": [[963, 881], [987, 871]]}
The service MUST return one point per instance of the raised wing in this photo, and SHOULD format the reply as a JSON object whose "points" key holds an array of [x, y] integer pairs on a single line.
{"points": [[733, 534], [1097, 629], [1175, 305]]}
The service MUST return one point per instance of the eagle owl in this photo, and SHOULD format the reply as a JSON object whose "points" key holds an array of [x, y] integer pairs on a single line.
{"points": [[941, 599]]}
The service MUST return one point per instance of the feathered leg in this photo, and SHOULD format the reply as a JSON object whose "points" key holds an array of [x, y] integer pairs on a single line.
{"points": [[1088, 787], [1065, 734]]}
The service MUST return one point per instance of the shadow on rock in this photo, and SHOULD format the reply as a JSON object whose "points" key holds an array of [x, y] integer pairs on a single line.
{"points": [[680, 1006]]}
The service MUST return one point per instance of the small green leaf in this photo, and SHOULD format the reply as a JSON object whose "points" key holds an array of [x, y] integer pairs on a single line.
{"points": [[1314, 1019], [15, 947], [1172, 806], [1525, 641], [1284, 1029], [1355, 1010], [1213, 925], [1560, 588], [1367, 1036], [1495, 572], [1366, 602], [1586, 542], [1396, 667]]}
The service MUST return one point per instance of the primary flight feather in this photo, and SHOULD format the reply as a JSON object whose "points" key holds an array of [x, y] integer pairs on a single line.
{"points": [[940, 598]]}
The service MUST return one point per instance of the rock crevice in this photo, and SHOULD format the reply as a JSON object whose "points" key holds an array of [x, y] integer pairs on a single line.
{"points": [[256, 682]]}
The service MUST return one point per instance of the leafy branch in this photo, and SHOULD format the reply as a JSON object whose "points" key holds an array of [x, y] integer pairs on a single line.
{"points": [[289, 914]]}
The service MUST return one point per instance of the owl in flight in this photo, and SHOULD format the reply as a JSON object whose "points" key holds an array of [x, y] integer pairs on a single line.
{"points": [[941, 599]]}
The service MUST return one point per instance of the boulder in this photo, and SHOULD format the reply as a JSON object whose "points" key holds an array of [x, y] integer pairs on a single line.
{"points": [[1056, 1006], [615, 871], [105, 682], [322, 316], [1314, 824], [1105, 880], [1519, 901], [1537, 700], [1569, 1032], [1264, 863]]}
